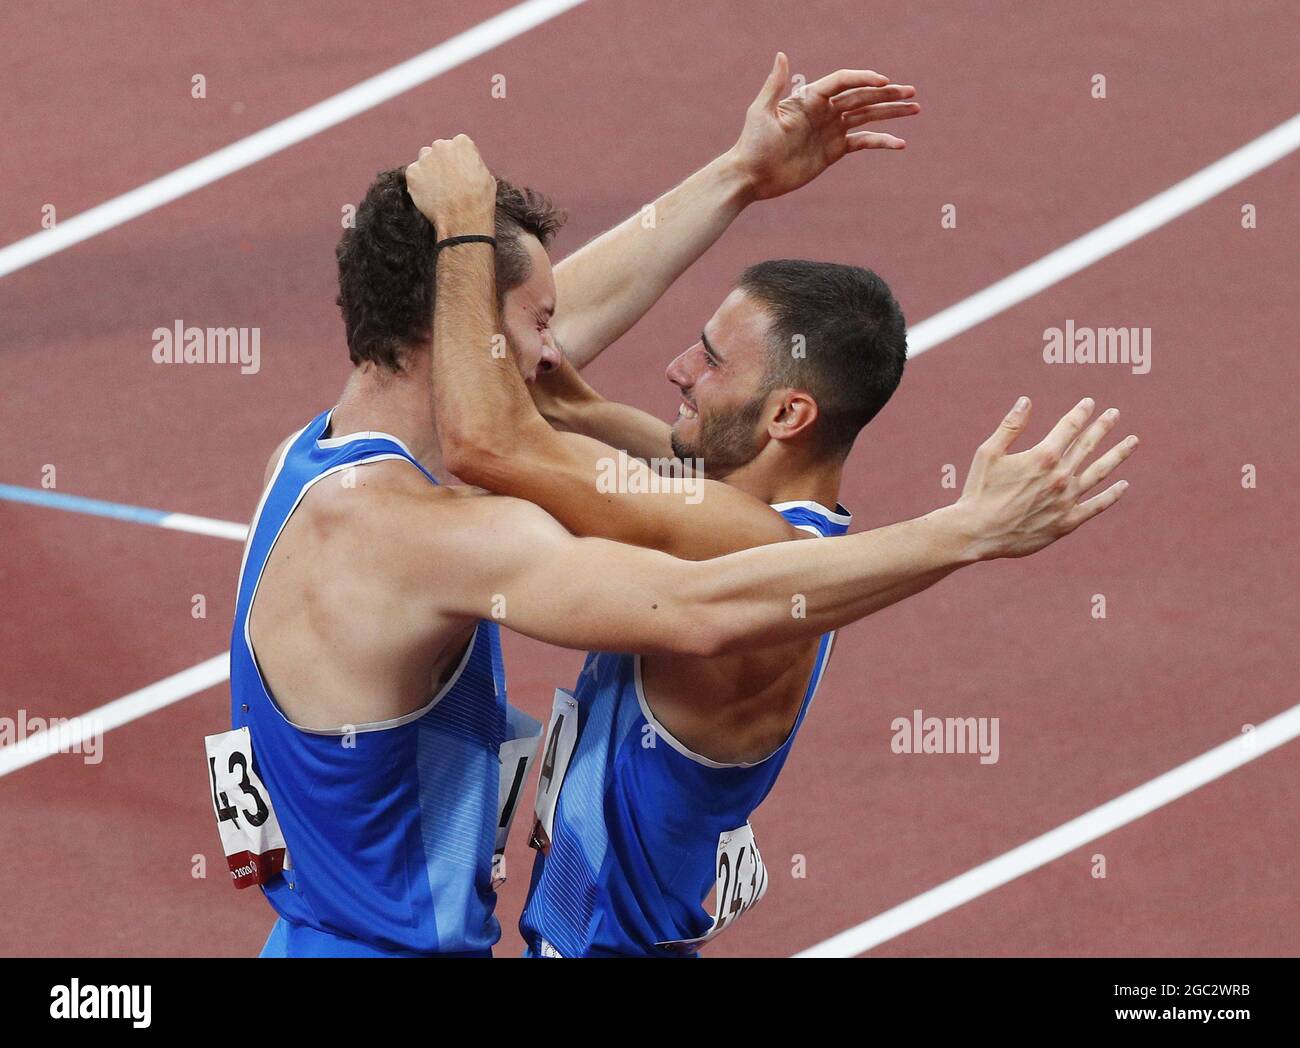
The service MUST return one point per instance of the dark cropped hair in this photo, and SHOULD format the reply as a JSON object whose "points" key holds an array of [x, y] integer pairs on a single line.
{"points": [[386, 264], [837, 333]]}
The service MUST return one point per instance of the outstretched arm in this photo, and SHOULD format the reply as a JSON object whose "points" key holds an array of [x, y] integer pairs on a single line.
{"points": [[508, 560], [608, 285]]}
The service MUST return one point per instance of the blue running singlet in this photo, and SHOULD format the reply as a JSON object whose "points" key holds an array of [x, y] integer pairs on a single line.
{"points": [[390, 827], [640, 828]]}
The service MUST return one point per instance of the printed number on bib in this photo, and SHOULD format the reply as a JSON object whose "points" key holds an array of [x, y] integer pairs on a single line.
{"points": [[250, 832], [561, 739], [741, 882], [516, 755]]}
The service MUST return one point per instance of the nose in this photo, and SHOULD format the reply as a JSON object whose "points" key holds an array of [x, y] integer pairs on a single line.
{"points": [[678, 371], [551, 354]]}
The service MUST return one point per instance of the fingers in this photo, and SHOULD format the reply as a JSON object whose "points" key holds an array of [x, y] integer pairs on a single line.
{"points": [[425, 151], [1085, 511], [881, 111], [1011, 427], [1104, 466], [1065, 431], [843, 79], [773, 89], [1084, 446], [865, 96], [872, 140]]}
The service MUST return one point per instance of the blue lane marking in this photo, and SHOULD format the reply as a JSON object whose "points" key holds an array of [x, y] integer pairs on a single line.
{"points": [[77, 504]]}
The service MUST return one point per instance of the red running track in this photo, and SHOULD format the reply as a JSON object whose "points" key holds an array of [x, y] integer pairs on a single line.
{"points": [[606, 106]]}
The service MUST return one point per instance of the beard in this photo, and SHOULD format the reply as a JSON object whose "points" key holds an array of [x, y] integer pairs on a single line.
{"points": [[725, 441]]}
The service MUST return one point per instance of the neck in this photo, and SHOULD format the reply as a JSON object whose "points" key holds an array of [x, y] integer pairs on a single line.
{"points": [[781, 474], [400, 404]]}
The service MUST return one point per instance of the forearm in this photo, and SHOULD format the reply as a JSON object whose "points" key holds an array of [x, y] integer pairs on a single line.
{"points": [[626, 428], [592, 593], [479, 398], [608, 285], [570, 404], [783, 592]]}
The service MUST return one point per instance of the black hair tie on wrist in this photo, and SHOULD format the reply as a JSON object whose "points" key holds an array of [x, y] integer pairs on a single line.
{"points": [[472, 238]]}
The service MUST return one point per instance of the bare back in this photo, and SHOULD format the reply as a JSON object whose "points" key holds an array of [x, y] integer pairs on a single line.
{"points": [[337, 636], [731, 708]]}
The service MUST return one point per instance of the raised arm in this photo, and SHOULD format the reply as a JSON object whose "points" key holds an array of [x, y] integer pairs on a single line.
{"points": [[608, 285], [492, 435]]}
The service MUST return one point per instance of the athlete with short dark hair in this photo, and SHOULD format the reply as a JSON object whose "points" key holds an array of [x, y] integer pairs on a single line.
{"points": [[655, 761]]}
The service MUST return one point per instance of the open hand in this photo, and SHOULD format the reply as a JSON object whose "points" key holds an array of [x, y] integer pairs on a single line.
{"points": [[1017, 504], [789, 141]]}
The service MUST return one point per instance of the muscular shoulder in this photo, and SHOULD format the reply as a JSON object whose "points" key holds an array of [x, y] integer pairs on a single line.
{"points": [[415, 527]]}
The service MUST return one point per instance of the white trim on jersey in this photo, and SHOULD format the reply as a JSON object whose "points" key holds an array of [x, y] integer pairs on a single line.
{"points": [[384, 725], [814, 682], [818, 669], [257, 513], [843, 519], [348, 438]]}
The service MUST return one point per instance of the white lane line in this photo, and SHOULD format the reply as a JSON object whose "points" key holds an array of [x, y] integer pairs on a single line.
{"points": [[121, 711], [1106, 239], [220, 529], [311, 121], [1065, 838]]}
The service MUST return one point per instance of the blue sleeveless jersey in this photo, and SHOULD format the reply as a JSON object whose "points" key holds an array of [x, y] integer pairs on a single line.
{"points": [[650, 848], [390, 829]]}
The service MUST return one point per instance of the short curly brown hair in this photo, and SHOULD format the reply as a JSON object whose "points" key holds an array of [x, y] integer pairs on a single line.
{"points": [[386, 264]]}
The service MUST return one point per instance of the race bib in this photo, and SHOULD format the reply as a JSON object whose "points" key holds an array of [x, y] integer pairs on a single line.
{"points": [[516, 756], [561, 739], [250, 832], [741, 882]]}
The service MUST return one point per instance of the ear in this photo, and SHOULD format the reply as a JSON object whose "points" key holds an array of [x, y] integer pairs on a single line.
{"points": [[795, 412]]}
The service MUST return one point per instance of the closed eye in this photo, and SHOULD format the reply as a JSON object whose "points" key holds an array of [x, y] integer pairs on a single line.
{"points": [[710, 357]]}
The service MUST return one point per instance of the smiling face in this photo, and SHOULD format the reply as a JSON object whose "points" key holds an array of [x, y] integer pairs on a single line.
{"points": [[722, 379], [526, 312]]}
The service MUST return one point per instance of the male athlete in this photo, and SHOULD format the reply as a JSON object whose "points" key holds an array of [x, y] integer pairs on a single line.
{"points": [[655, 762]]}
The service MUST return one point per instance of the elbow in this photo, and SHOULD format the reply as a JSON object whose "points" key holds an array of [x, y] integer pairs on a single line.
{"points": [[705, 634], [475, 456]]}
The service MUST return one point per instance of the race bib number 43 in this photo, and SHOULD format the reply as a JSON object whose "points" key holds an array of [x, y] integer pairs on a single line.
{"points": [[250, 832], [741, 882]]}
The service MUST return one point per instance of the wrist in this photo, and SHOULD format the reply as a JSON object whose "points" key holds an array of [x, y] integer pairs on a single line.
{"points": [[737, 182], [960, 534], [465, 221]]}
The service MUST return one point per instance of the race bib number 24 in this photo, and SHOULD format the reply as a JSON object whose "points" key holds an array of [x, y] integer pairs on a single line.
{"points": [[741, 882]]}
